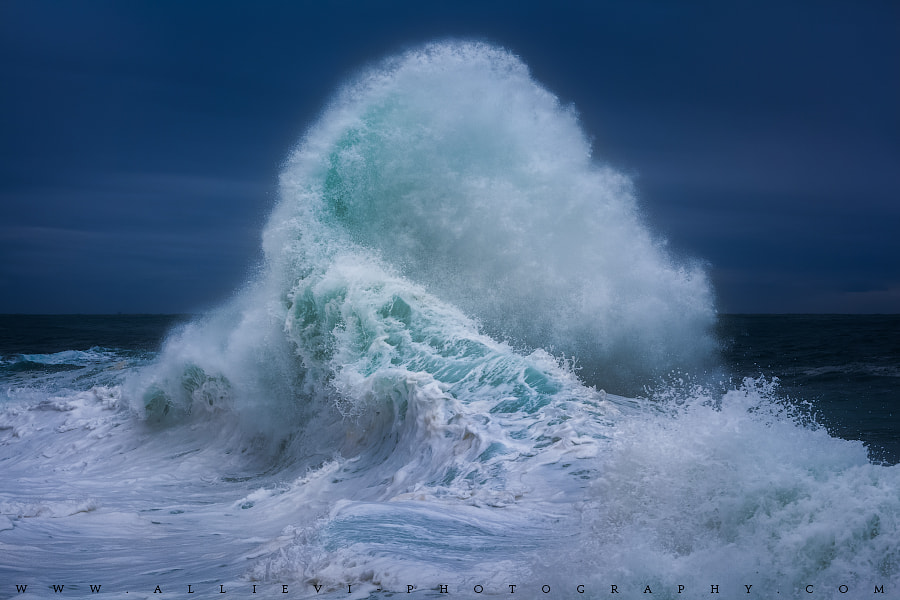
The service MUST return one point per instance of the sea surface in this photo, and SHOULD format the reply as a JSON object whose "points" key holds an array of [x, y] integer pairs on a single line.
{"points": [[464, 368], [843, 371]]}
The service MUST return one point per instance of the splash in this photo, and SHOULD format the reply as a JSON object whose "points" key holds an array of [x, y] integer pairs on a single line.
{"points": [[450, 283], [451, 165]]}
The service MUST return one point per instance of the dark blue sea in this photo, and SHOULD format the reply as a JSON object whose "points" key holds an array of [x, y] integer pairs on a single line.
{"points": [[844, 368]]}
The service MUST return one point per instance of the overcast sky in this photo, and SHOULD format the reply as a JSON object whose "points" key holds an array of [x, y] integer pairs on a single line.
{"points": [[141, 141]]}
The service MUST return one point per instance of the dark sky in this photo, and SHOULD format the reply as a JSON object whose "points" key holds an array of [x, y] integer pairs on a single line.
{"points": [[140, 141]]}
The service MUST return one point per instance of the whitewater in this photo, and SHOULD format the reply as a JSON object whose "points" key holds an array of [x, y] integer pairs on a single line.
{"points": [[465, 363]]}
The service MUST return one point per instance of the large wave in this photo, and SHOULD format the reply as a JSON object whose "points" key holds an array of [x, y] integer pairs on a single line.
{"points": [[450, 176], [411, 389]]}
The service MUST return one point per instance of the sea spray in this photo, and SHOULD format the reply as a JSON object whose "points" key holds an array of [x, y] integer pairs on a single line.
{"points": [[453, 166], [741, 489]]}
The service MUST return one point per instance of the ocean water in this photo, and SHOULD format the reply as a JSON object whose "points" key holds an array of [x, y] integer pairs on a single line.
{"points": [[465, 364]]}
